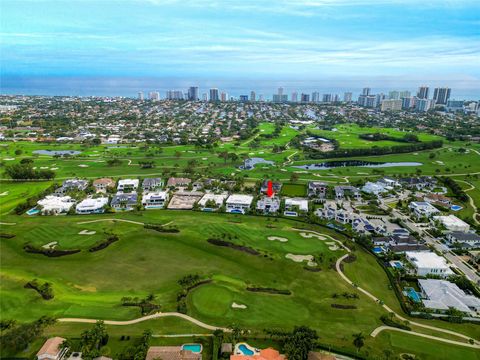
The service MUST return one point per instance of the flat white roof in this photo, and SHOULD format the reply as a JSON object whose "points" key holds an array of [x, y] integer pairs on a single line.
{"points": [[300, 202], [128, 182], [240, 199], [427, 260], [450, 220], [218, 198], [155, 194], [90, 203], [60, 203]]}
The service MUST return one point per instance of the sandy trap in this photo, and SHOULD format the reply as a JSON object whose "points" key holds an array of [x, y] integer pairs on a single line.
{"points": [[310, 235], [87, 232], [277, 238], [238, 306], [50, 245], [300, 258]]}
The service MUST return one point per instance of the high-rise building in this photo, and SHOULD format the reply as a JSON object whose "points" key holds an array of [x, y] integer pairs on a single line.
{"points": [[422, 92], [326, 98], [405, 94], [455, 105], [193, 93], [347, 97], [393, 95], [140, 95], [441, 95], [408, 102], [294, 96], [154, 95], [304, 98], [261, 98], [204, 97], [391, 105], [280, 91], [174, 95], [366, 91], [243, 98], [253, 96], [214, 95], [223, 96], [336, 98], [423, 105], [315, 96]]}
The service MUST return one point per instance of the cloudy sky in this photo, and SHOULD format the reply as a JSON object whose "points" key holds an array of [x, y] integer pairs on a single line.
{"points": [[301, 39]]}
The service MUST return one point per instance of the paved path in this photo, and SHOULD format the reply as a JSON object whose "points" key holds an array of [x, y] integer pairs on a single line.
{"points": [[381, 328], [470, 199], [386, 307], [7, 224], [145, 318], [114, 220]]}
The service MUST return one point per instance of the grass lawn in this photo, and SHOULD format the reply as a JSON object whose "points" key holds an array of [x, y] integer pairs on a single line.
{"points": [[294, 190]]}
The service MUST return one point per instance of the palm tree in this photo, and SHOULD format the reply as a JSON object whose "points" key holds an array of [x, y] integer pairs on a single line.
{"points": [[358, 341]]}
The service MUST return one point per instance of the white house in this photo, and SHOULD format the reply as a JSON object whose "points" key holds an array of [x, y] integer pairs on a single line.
{"points": [[51, 349], [127, 185], [268, 205], [210, 198], [428, 263], [124, 201], [374, 188], [295, 205], [442, 295], [56, 204], [92, 206], [238, 203], [423, 209], [452, 223], [155, 200]]}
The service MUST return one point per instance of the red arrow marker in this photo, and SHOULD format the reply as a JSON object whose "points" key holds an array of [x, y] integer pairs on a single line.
{"points": [[270, 189]]}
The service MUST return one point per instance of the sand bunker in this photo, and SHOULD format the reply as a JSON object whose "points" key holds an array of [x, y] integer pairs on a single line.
{"points": [[277, 238], [50, 245], [9, 159], [83, 166], [238, 306], [87, 232], [54, 168], [300, 258], [5, 193], [310, 235], [332, 246]]}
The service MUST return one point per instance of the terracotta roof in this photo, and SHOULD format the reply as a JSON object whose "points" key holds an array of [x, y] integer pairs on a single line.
{"points": [[171, 353], [51, 346], [266, 354]]}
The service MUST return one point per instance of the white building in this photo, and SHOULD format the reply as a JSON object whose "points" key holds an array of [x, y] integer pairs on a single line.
{"points": [[127, 185], [155, 200], [423, 209], [452, 223], [268, 205], [210, 198], [442, 295], [56, 204], [428, 263], [52, 350], [238, 203], [92, 206], [374, 188], [295, 205], [463, 238]]}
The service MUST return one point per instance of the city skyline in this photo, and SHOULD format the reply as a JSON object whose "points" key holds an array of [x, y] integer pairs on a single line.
{"points": [[304, 40]]}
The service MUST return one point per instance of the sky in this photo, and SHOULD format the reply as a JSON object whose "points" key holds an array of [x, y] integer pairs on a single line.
{"points": [[337, 41]]}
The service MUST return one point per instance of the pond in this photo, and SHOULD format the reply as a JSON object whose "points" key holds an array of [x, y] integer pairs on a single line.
{"points": [[249, 164], [57, 152], [358, 163]]}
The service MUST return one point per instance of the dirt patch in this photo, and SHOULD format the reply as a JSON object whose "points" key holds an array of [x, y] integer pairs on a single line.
{"points": [[300, 258], [231, 245], [277, 238], [87, 232], [85, 288]]}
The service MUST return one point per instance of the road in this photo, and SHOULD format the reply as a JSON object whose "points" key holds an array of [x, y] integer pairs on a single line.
{"points": [[437, 245]]}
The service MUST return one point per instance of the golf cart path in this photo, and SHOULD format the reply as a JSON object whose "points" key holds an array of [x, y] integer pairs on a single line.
{"points": [[120, 220], [381, 328], [145, 318], [386, 307], [470, 199]]}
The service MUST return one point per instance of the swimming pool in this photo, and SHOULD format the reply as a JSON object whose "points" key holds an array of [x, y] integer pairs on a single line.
{"points": [[195, 348], [33, 211], [456, 207], [412, 294], [377, 250], [396, 264], [245, 350]]}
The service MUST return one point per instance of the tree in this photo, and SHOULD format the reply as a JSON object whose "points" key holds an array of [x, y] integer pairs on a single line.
{"points": [[294, 177], [358, 341], [299, 343]]}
